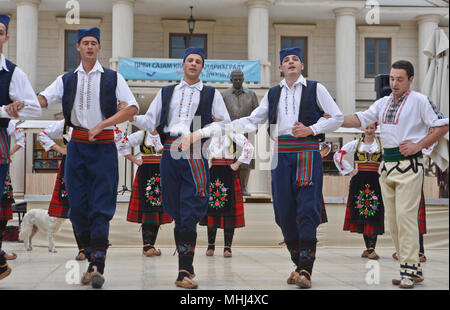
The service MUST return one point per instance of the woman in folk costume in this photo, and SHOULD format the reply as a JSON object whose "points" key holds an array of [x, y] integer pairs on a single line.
{"points": [[59, 205], [365, 210], [17, 100], [7, 199], [225, 204], [145, 205], [324, 149]]}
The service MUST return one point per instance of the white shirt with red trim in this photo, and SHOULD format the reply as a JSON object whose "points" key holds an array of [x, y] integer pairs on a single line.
{"points": [[411, 120]]}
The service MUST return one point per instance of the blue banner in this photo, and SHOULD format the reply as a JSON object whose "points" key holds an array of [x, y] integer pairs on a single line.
{"points": [[171, 69]]}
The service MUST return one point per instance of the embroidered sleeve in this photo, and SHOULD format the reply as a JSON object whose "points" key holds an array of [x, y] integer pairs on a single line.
{"points": [[343, 165], [247, 148], [127, 142], [54, 131], [431, 115], [156, 142], [16, 134], [371, 115]]}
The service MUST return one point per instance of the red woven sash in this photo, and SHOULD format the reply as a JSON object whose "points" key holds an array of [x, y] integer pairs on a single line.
{"points": [[80, 134]]}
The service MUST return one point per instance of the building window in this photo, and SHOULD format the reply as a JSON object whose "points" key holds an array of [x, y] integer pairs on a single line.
{"points": [[179, 42], [302, 43], [377, 56], [71, 55]]}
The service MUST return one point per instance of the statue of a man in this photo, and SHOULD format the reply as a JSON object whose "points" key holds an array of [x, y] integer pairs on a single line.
{"points": [[240, 102]]}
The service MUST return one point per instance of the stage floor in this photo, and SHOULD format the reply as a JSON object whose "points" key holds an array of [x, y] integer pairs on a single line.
{"points": [[259, 262], [258, 268]]}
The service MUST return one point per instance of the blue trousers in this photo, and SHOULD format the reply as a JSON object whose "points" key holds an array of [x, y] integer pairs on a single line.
{"points": [[4, 168], [91, 175], [297, 209], [179, 197]]}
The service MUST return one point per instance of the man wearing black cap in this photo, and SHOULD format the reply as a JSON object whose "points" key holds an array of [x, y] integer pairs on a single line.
{"points": [[17, 100], [183, 114], [89, 97], [295, 110]]}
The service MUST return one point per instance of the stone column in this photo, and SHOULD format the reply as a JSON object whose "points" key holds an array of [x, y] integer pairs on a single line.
{"points": [[427, 24], [258, 36], [122, 28], [122, 46], [27, 37], [258, 49], [346, 59]]}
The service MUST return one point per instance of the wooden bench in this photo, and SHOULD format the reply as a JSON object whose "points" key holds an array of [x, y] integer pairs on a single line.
{"points": [[20, 207]]}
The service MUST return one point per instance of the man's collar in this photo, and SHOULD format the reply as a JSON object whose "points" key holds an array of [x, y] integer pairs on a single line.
{"points": [[301, 80], [405, 94], [97, 67], [198, 85], [3, 63]]}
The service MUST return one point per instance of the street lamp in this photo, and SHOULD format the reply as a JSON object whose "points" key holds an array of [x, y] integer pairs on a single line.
{"points": [[191, 22]]}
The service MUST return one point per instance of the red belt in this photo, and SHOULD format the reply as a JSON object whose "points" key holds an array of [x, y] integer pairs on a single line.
{"points": [[80, 134], [293, 145], [221, 162], [368, 166], [151, 159], [196, 164], [197, 147]]}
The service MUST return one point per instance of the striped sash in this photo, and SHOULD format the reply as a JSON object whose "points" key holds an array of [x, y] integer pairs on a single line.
{"points": [[393, 154], [368, 167], [146, 159], [221, 162], [81, 135], [305, 148], [196, 164], [4, 147]]}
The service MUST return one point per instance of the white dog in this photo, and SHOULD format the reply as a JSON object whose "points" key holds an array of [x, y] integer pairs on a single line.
{"points": [[38, 219]]}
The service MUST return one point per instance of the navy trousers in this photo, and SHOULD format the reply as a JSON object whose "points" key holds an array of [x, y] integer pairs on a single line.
{"points": [[91, 175], [178, 189], [297, 208]]}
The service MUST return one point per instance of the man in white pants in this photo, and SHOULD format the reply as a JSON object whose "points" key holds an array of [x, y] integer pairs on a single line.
{"points": [[404, 117]]}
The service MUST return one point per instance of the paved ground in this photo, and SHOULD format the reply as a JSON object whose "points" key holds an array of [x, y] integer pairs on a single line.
{"points": [[259, 268], [259, 264]]}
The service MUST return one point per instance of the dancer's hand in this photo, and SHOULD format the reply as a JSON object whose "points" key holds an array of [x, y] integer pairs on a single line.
{"points": [[407, 148], [122, 105], [354, 172], [189, 139], [95, 131], [13, 108], [235, 166], [300, 131], [59, 149]]}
